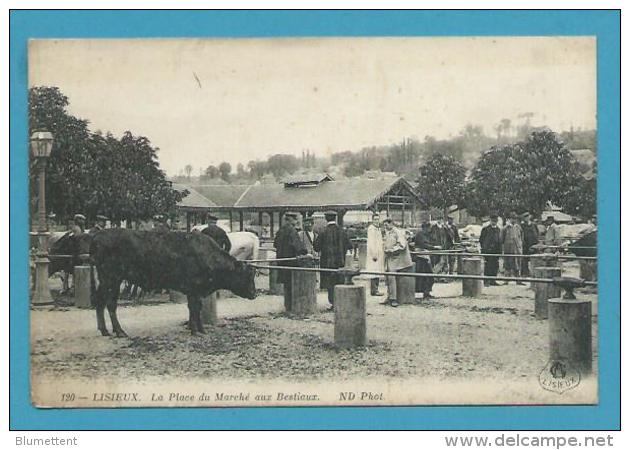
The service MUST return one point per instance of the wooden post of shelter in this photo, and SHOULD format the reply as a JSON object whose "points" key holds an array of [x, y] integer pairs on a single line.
{"points": [[240, 221], [231, 221], [260, 222], [271, 220]]}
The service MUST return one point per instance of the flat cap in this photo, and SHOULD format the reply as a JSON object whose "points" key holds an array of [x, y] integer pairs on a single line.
{"points": [[101, 217], [291, 214], [211, 217], [79, 217]]}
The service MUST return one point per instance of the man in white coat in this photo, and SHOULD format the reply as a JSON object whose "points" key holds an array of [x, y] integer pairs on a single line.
{"points": [[375, 260]]}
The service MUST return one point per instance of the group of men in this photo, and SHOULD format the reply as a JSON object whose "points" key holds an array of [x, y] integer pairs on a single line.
{"points": [[330, 245], [517, 237]]}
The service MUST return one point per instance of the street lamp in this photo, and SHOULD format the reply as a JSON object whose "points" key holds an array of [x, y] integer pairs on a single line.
{"points": [[41, 145]]}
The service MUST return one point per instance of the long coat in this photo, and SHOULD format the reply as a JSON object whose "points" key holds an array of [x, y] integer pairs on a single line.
{"points": [[490, 239], [375, 260], [512, 241], [308, 241], [288, 245], [530, 237], [332, 244], [397, 255]]}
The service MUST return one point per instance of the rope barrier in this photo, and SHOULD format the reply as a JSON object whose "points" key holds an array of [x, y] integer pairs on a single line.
{"points": [[517, 255], [350, 272]]}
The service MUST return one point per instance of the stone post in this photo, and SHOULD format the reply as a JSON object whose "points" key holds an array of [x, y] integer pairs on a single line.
{"points": [[472, 266], [545, 291], [570, 333], [350, 316], [82, 287]]}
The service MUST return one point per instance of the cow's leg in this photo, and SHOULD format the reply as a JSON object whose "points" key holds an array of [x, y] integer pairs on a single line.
{"points": [[191, 320], [194, 314], [64, 282], [112, 304], [101, 301]]}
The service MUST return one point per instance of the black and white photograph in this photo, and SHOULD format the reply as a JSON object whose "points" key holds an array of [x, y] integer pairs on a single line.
{"points": [[313, 221]]}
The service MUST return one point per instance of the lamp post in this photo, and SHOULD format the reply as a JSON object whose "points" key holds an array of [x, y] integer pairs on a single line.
{"points": [[41, 145]]}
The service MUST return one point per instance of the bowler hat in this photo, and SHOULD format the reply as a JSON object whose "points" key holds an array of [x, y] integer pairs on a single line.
{"points": [[101, 217], [211, 217], [79, 217]]}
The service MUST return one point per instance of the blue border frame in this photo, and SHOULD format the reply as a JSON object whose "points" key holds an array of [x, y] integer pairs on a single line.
{"points": [[605, 25]]}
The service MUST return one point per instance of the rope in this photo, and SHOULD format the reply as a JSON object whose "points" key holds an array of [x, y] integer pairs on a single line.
{"points": [[517, 255], [350, 272]]}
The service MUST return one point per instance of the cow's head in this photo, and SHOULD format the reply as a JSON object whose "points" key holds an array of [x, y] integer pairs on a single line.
{"points": [[241, 280]]}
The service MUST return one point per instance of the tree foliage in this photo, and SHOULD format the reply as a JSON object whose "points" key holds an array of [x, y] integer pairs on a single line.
{"points": [[523, 176], [93, 174], [441, 182]]}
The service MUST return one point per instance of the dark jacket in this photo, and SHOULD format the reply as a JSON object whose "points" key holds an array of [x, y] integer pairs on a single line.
{"points": [[490, 239], [219, 235], [288, 245], [332, 244], [452, 235], [530, 237]]}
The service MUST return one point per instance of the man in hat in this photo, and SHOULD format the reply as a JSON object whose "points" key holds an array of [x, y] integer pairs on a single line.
{"points": [[397, 258], [422, 242], [530, 238], [375, 258], [307, 236], [490, 243], [101, 222], [552, 233], [160, 223], [217, 233], [332, 244], [452, 238], [288, 245], [512, 242], [78, 226]]}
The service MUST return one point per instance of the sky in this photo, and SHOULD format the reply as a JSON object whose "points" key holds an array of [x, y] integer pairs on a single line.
{"points": [[204, 101]]}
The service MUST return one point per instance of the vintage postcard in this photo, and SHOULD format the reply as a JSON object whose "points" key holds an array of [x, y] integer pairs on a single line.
{"points": [[313, 221]]}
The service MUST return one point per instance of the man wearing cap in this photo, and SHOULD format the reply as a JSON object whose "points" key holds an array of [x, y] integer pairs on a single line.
{"points": [[78, 226], [307, 236], [552, 233], [490, 243], [288, 245], [101, 221], [375, 258], [397, 258], [332, 244], [422, 242], [512, 242], [452, 238], [161, 223], [530, 238], [217, 233]]}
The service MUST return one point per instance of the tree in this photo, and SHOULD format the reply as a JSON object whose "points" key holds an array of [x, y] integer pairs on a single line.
{"points": [[211, 172], [188, 170], [225, 169], [524, 176], [281, 164], [441, 182], [94, 174]]}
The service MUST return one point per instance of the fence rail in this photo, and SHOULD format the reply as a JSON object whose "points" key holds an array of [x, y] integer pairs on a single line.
{"points": [[352, 273], [516, 255]]}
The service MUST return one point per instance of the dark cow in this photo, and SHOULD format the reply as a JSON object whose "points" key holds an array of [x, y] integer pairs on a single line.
{"points": [[191, 263], [588, 240], [64, 244]]}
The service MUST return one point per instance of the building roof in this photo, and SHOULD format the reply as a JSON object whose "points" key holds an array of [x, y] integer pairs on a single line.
{"points": [[194, 199], [356, 193], [223, 194], [313, 178]]}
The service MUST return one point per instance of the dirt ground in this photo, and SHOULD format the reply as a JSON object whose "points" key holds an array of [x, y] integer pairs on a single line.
{"points": [[449, 338]]}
